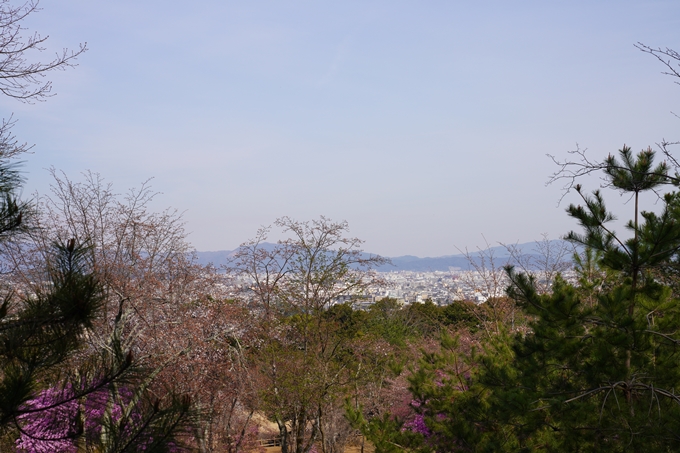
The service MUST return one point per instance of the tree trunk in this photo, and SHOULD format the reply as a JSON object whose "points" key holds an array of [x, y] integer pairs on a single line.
{"points": [[283, 434]]}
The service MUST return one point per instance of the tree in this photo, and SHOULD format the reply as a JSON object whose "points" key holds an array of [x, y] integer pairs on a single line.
{"points": [[55, 358], [547, 260], [95, 411], [139, 255], [49, 364], [302, 355], [597, 369], [666, 56], [488, 281], [145, 267], [216, 369], [42, 330]]}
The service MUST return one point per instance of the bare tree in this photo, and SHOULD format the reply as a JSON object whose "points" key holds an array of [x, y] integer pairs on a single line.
{"points": [[149, 276], [546, 260], [21, 78], [139, 254], [299, 355], [259, 269], [671, 59], [215, 369], [578, 164], [488, 280], [140, 257]]}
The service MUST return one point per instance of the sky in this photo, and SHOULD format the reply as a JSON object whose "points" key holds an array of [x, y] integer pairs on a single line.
{"points": [[425, 125]]}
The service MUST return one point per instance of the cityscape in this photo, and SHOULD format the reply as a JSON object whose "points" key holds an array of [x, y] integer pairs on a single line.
{"points": [[473, 277]]}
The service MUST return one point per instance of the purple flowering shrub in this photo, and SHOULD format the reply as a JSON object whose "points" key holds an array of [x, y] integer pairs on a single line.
{"points": [[53, 426], [58, 421], [246, 442], [417, 425], [438, 386], [431, 420]]}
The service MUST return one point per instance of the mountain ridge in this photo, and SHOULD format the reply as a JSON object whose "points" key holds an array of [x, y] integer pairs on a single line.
{"points": [[501, 254]]}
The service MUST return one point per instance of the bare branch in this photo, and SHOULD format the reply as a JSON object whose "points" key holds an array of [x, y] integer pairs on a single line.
{"points": [[666, 56], [21, 78], [579, 165]]}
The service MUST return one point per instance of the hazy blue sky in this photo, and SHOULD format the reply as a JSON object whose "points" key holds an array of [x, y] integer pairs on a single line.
{"points": [[423, 124]]}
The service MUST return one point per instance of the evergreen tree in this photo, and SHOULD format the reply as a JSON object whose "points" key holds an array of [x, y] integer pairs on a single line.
{"points": [[598, 369]]}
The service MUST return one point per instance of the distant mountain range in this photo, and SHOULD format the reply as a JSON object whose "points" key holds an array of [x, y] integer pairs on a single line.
{"points": [[501, 255]]}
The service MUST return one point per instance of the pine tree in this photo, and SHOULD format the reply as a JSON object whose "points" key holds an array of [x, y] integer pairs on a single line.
{"points": [[598, 369]]}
